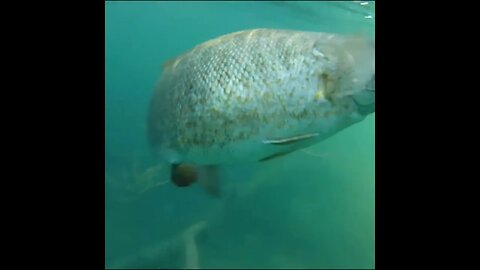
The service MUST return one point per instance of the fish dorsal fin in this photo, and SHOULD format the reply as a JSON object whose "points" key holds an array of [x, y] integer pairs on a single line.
{"points": [[168, 63], [171, 62], [291, 140]]}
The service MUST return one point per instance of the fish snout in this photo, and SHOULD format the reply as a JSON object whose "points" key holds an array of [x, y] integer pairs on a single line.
{"points": [[365, 99]]}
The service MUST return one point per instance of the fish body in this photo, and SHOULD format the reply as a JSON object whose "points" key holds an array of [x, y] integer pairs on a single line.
{"points": [[255, 94]]}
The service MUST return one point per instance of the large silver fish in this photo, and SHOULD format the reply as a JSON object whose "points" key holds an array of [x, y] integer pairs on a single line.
{"points": [[257, 94]]}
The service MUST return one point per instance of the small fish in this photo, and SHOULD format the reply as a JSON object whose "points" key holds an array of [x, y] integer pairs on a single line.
{"points": [[257, 94]]}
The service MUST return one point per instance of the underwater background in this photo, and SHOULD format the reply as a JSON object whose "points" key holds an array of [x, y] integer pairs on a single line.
{"points": [[314, 208]]}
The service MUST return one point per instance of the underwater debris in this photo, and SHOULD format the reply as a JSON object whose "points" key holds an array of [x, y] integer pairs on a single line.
{"points": [[149, 179], [191, 250], [167, 254], [129, 185]]}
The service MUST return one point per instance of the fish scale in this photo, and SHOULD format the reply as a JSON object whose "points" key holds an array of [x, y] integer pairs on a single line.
{"points": [[220, 101]]}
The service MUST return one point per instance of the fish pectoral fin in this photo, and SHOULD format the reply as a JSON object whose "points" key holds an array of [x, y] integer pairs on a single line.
{"points": [[290, 140], [274, 156], [209, 180]]}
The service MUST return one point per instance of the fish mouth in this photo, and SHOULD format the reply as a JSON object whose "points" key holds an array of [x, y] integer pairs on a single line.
{"points": [[365, 100], [364, 109]]}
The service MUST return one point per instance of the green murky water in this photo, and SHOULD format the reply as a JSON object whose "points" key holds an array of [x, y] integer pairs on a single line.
{"points": [[311, 209]]}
